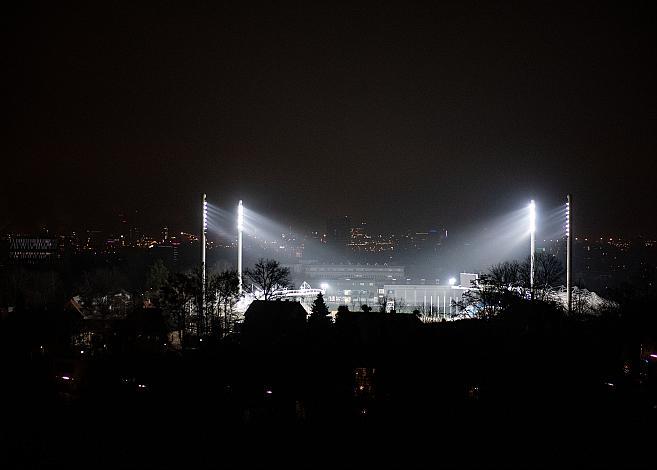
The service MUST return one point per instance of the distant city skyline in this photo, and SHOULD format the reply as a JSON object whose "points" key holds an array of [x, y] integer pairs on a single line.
{"points": [[153, 229]]}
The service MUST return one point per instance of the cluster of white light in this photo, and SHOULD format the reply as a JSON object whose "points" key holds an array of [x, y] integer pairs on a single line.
{"points": [[532, 216], [240, 216], [567, 219], [205, 215]]}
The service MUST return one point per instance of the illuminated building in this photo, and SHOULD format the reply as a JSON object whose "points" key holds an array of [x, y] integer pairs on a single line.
{"points": [[352, 284], [428, 299]]}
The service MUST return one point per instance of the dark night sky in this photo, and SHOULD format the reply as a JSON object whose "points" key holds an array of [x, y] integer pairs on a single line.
{"points": [[409, 115]]}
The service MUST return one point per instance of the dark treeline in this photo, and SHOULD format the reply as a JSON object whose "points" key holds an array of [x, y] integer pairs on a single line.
{"points": [[522, 385]]}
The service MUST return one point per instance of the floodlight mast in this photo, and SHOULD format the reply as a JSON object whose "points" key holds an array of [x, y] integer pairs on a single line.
{"points": [[569, 252], [532, 248], [240, 228], [204, 230]]}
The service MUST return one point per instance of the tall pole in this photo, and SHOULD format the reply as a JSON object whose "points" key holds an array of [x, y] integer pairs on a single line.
{"points": [[240, 228], [569, 253], [204, 229], [532, 249]]}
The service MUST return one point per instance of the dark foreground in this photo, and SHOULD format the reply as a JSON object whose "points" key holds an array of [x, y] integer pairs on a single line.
{"points": [[445, 396], [141, 437]]}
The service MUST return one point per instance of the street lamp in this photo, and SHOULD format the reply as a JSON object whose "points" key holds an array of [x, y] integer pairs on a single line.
{"points": [[240, 228], [532, 233]]}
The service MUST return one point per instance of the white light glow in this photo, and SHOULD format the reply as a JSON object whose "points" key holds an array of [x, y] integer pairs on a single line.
{"points": [[532, 217], [452, 281], [205, 214], [324, 285], [240, 216]]}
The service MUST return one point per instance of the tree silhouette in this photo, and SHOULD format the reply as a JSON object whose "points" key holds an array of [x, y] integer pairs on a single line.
{"points": [[206, 306], [503, 285], [157, 277], [178, 296], [97, 287], [507, 284], [268, 275], [226, 285], [320, 315], [549, 273]]}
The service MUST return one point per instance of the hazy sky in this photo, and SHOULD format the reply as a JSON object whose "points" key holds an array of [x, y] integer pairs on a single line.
{"points": [[410, 115]]}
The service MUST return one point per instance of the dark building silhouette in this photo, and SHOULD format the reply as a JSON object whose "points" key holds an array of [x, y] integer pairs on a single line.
{"points": [[273, 322]]}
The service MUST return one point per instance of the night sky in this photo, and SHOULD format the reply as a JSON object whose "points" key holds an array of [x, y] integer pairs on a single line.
{"points": [[411, 116]]}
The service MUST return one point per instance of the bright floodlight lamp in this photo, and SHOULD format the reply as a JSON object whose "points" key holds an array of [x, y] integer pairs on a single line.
{"points": [[532, 247], [240, 216], [452, 281], [205, 216], [240, 228], [532, 216], [324, 285]]}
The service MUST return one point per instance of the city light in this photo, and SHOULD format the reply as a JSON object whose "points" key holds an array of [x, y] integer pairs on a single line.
{"points": [[324, 286], [452, 281]]}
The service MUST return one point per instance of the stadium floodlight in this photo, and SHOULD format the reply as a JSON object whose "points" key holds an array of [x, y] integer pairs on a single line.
{"points": [[532, 217], [204, 230], [532, 246], [240, 216], [569, 253], [240, 228], [452, 281]]}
